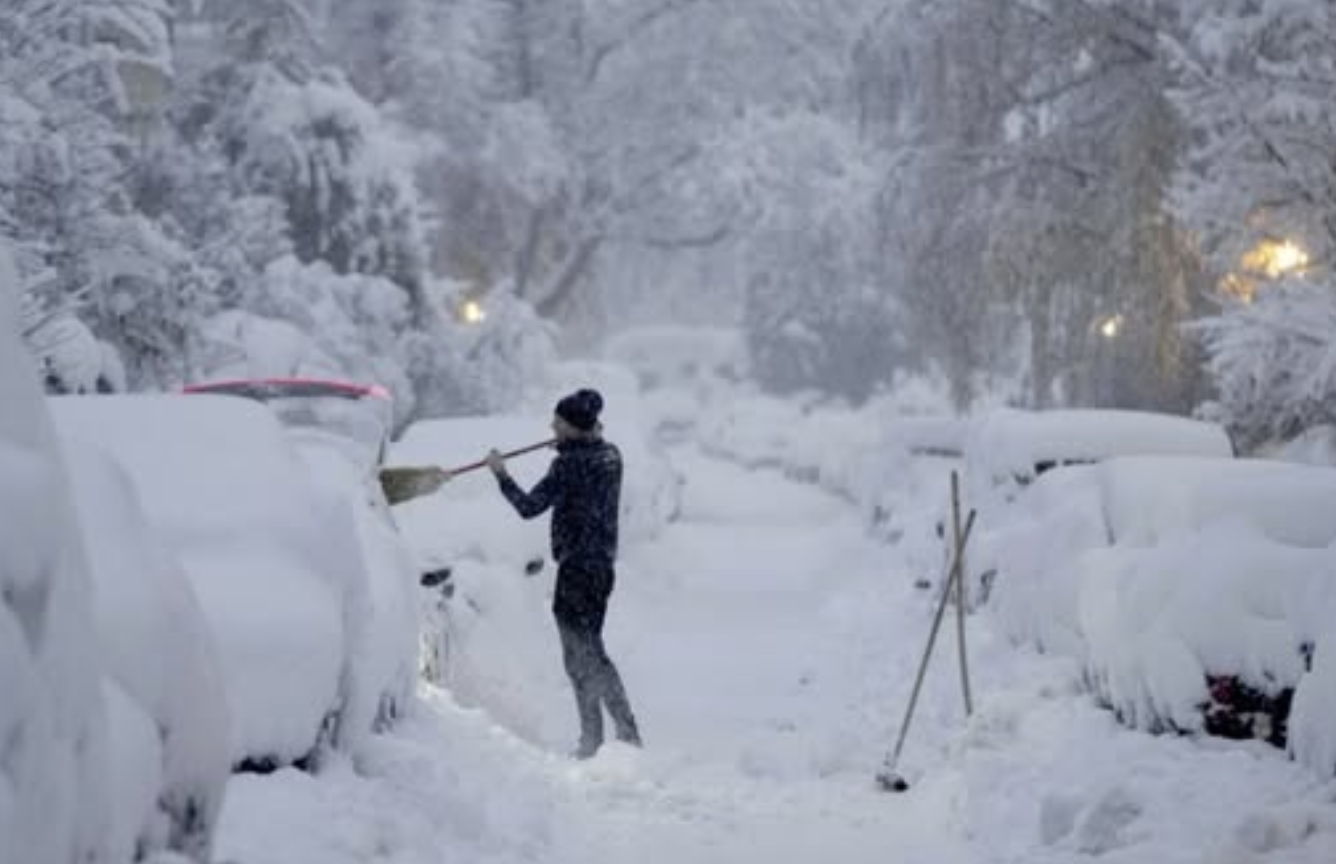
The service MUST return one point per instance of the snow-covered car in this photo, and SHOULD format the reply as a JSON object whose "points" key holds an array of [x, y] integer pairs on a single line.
{"points": [[1194, 592], [356, 417], [342, 433], [167, 708], [1006, 450], [54, 803], [272, 558]]}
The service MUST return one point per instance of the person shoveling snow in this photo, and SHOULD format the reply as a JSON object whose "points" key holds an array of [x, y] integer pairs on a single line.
{"points": [[583, 489]]}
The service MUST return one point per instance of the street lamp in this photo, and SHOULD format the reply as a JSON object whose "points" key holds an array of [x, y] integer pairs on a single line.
{"points": [[472, 312], [1270, 259], [1109, 326]]}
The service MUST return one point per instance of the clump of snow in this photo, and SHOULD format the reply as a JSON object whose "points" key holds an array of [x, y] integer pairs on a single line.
{"points": [[55, 801]]}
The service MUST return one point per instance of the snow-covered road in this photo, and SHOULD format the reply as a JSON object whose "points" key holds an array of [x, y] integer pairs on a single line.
{"points": [[768, 646]]}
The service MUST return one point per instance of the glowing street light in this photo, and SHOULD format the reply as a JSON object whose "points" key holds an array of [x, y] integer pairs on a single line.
{"points": [[1276, 258], [472, 312], [1110, 326], [1268, 260]]}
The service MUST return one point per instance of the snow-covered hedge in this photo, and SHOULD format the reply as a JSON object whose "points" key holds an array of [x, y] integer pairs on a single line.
{"points": [[54, 782], [272, 559]]}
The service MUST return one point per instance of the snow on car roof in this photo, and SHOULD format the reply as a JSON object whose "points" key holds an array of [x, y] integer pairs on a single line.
{"points": [[1017, 439]]}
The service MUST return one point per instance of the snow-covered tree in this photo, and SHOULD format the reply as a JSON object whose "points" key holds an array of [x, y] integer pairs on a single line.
{"points": [[1256, 83], [1273, 361]]}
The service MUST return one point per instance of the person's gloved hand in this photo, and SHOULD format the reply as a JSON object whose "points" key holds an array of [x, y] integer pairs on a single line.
{"points": [[497, 462]]}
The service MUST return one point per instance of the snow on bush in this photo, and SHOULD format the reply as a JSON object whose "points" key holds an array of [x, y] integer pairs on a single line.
{"points": [[272, 561], [54, 793], [157, 649], [1273, 360]]}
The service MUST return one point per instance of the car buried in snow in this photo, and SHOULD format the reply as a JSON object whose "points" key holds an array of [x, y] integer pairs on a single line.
{"points": [[1193, 592], [342, 432], [1007, 450]]}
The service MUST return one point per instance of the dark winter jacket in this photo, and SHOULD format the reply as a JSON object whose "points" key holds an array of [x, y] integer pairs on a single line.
{"points": [[583, 487]]}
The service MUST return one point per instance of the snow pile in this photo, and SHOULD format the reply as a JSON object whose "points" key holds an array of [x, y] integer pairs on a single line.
{"points": [[169, 716], [54, 794], [210, 470]]}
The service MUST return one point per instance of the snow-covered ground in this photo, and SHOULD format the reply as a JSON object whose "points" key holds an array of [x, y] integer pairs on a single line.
{"points": [[769, 644]]}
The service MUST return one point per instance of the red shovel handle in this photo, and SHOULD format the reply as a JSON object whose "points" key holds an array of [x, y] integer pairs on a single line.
{"points": [[481, 463]]}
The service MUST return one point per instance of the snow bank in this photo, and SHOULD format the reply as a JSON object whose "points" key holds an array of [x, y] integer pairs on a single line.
{"points": [[54, 792], [157, 649], [272, 562]]}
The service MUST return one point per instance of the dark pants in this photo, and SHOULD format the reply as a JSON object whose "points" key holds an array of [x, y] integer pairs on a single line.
{"points": [[580, 605]]}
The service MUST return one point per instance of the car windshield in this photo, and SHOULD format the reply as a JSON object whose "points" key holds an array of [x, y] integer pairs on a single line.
{"points": [[359, 416]]}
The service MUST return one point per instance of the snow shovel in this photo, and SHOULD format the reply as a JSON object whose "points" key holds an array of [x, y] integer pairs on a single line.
{"points": [[404, 483], [888, 778]]}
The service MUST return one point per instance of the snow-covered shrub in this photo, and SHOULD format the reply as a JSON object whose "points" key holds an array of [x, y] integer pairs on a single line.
{"points": [[1273, 361], [157, 650], [54, 786], [272, 559]]}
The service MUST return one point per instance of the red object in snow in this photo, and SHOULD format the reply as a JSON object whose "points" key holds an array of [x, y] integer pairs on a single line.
{"points": [[272, 388]]}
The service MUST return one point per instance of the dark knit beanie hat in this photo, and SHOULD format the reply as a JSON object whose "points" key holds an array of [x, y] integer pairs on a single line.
{"points": [[580, 409]]}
